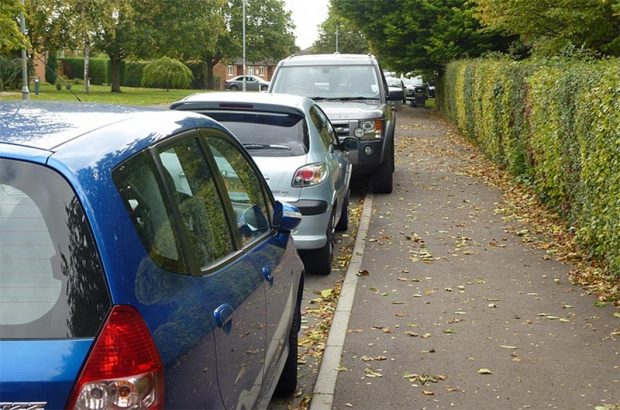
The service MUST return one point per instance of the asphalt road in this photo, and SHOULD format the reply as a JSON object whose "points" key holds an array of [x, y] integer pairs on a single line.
{"points": [[457, 310]]}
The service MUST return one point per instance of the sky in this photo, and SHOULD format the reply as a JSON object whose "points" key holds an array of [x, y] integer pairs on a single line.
{"points": [[307, 16]]}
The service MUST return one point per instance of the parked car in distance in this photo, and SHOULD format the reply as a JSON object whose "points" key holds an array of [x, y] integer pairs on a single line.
{"points": [[417, 91], [143, 263], [300, 156], [252, 82], [352, 90], [397, 84]]}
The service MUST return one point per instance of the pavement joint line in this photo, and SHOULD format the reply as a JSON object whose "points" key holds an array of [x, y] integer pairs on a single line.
{"points": [[324, 389]]}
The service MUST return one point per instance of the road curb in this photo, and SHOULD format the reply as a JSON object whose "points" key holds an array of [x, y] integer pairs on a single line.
{"points": [[323, 394]]}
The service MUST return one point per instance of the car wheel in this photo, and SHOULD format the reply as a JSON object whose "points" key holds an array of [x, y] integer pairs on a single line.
{"points": [[263, 88], [382, 179], [343, 222], [233, 88], [288, 378], [319, 261]]}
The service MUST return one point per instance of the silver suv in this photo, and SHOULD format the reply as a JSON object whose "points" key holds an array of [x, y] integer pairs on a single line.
{"points": [[352, 91]]}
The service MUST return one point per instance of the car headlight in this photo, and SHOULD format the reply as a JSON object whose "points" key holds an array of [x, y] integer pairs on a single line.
{"points": [[370, 129]]}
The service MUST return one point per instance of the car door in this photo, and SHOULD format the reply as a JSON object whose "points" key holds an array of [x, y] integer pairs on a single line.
{"points": [[277, 262], [251, 83], [252, 206], [232, 287]]}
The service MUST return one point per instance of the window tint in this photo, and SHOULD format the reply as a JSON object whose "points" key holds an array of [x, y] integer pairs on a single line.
{"points": [[244, 189], [136, 180], [51, 280], [198, 201], [322, 125], [267, 134]]}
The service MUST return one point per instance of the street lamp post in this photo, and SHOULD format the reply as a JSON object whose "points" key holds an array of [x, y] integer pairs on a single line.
{"points": [[243, 41], [25, 90]]}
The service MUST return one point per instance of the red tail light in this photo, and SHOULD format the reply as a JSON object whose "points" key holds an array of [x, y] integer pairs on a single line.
{"points": [[309, 175], [124, 369]]}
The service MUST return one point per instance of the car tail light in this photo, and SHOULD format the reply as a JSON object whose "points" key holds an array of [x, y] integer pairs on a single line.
{"points": [[124, 369], [309, 175]]}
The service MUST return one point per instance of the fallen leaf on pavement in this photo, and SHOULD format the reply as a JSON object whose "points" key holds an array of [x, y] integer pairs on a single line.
{"points": [[484, 371]]}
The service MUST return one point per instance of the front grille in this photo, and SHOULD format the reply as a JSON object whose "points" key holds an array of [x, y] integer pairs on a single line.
{"points": [[344, 128]]}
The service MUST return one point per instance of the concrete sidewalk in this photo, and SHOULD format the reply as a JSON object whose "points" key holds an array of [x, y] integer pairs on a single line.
{"points": [[455, 311]]}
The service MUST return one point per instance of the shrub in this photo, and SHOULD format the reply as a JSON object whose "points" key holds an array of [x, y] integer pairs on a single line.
{"points": [[166, 73], [133, 71], [199, 71], [9, 70], [51, 69], [554, 124]]}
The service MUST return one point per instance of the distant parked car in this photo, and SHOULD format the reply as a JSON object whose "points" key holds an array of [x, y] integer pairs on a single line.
{"points": [[252, 82], [417, 91], [304, 163], [397, 84], [144, 263]]}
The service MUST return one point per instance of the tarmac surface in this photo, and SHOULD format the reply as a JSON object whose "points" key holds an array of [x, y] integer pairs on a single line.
{"points": [[449, 307]]}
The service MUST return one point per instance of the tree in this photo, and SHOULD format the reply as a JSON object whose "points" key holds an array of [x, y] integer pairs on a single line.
{"points": [[549, 26], [349, 37], [421, 35], [10, 36]]}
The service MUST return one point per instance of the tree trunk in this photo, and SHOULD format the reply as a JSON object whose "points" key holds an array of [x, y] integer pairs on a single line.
{"points": [[115, 75], [86, 68], [210, 62]]}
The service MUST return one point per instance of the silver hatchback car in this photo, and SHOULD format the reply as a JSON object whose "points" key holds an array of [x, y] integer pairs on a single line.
{"points": [[296, 148]]}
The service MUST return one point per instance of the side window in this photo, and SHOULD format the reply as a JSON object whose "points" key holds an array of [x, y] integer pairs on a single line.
{"points": [[321, 124], [197, 199], [137, 182], [244, 189]]}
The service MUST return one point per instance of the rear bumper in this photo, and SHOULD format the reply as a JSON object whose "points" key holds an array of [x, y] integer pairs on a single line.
{"points": [[312, 231]]}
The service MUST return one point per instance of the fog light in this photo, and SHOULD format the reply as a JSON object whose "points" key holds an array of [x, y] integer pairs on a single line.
{"points": [[368, 150], [359, 133]]}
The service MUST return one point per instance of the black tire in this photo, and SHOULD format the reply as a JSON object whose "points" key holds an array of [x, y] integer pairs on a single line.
{"points": [[233, 88], [343, 222], [319, 261], [383, 178], [263, 88], [287, 384]]}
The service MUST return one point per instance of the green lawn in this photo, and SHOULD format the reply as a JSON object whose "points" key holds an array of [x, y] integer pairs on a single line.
{"points": [[102, 94]]}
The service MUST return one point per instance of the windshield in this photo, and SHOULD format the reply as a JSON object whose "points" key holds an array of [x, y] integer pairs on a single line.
{"points": [[329, 82], [413, 82], [266, 134]]}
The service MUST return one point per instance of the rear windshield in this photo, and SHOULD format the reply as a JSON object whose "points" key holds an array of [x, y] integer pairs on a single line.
{"points": [[51, 281], [267, 134], [328, 82]]}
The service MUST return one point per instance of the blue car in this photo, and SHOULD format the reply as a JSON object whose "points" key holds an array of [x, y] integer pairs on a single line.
{"points": [[143, 263]]}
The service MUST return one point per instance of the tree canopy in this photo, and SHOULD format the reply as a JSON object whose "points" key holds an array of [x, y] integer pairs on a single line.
{"points": [[350, 38], [549, 26], [10, 36], [421, 35]]}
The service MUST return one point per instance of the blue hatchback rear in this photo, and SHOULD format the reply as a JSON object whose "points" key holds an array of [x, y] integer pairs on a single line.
{"points": [[143, 263]]}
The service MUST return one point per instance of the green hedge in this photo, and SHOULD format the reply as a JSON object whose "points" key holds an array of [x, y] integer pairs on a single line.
{"points": [[100, 68], [554, 124]]}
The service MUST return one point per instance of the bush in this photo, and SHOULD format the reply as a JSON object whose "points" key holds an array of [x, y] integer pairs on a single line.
{"points": [[199, 71], [9, 70], [553, 124], [133, 71], [51, 69], [166, 73]]}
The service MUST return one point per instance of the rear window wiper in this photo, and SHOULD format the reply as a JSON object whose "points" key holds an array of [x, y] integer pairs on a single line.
{"points": [[265, 146]]}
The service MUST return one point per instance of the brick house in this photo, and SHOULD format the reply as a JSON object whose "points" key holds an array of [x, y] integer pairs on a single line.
{"points": [[226, 71]]}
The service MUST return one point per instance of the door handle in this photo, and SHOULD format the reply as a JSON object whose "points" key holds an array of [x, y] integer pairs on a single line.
{"points": [[267, 275], [223, 317]]}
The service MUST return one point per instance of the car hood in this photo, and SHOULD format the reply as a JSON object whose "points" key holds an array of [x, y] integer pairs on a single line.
{"points": [[352, 110], [279, 172]]}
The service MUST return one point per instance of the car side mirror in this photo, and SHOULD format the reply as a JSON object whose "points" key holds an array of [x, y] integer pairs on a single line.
{"points": [[286, 217], [395, 95], [350, 144]]}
